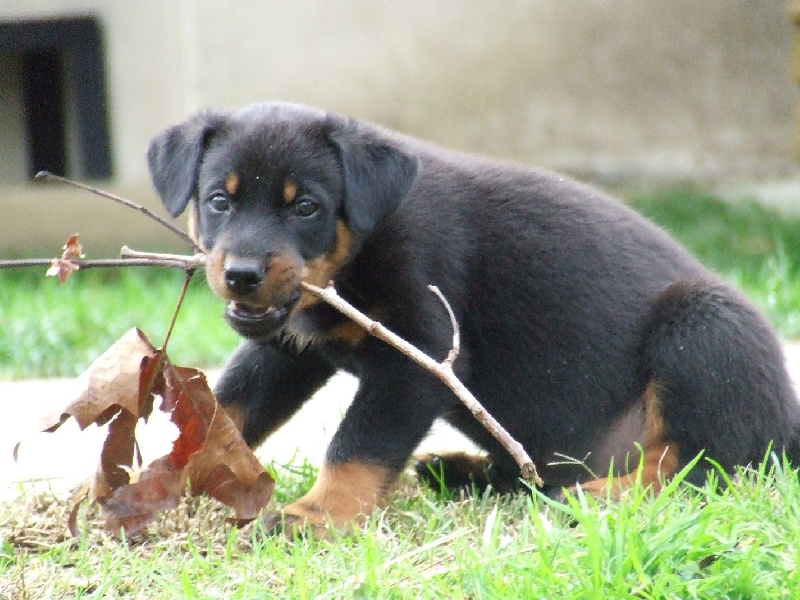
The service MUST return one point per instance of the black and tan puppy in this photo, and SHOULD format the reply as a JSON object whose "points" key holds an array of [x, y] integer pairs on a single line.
{"points": [[585, 328]]}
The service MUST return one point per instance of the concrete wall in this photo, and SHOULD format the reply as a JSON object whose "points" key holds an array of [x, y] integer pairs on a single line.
{"points": [[612, 90]]}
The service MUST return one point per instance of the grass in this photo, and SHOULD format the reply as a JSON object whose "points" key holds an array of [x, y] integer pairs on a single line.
{"points": [[754, 247], [741, 543], [52, 330]]}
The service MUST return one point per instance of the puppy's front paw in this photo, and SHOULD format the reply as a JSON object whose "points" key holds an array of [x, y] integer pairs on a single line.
{"points": [[342, 497], [295, 526]]}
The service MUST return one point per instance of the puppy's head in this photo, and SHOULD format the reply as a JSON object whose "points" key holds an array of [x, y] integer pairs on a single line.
{"points": [[279, 194]]}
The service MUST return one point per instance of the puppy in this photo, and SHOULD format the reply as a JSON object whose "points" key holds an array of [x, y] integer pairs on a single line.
{"points": [[586, 331]]}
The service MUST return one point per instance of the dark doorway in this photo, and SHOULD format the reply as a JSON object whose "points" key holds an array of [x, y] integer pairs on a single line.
{"points": [[63, 94], [43, 94]]}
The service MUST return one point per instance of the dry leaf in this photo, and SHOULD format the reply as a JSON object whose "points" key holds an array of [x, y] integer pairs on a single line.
{"points": [[131, 507], [209, 456], [218, 461], [111, 383], [73, 248]]}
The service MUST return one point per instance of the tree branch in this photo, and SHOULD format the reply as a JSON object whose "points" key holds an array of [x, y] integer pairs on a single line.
{"points": [[128, 258], [456, 347], [443, 371], [103, 263], [198, 261], [124, 201]]}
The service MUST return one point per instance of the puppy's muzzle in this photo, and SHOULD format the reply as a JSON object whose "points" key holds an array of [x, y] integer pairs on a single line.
{"points": [[246, 315]]}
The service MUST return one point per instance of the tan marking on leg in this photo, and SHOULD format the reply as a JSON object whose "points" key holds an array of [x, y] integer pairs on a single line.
{"points": [[460, 465], [659, 464], [232, 183], [454, 470], [660, 461], [289, 190], [653, 417], [343, 496]]}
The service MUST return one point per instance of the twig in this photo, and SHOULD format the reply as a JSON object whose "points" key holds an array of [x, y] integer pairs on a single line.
{"points": [[195, 262], [189, 273], [443, 371], [456, 347], [128, 258], [176, 262], [124, 201]]}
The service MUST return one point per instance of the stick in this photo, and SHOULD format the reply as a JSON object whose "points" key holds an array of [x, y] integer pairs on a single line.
{"points": [[128, 258], [188, 274], [443, 371], [198, 261], [125, 202], [101, 263]]}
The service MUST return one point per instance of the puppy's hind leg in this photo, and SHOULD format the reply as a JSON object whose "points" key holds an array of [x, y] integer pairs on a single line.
{"points": [[716, 383], [722, 381], [459, 471]]}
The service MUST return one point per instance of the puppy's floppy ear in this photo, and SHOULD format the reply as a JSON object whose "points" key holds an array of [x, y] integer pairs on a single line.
{"points": [[174, 155], [377, 172]]}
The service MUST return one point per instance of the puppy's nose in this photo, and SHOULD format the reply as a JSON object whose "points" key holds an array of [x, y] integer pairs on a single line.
{"points": [[243, 276]]}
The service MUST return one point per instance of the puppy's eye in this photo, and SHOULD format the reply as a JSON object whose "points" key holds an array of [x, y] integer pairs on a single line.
{"points": [[219, 203], [305, 206]]}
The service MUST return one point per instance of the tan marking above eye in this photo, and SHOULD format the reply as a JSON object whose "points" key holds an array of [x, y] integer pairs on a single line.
{"points": [[232, 183], [289, 190]]}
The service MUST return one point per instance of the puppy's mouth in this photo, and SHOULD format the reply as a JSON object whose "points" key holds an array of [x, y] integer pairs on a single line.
{"points": [[257, 322]]}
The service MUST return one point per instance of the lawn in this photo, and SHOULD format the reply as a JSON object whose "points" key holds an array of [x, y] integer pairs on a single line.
{"points": [[52, 330], [756, 248], [741, 543]]}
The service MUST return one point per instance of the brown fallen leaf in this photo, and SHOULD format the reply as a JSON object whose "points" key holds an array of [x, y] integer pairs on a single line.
{"points": [[217, 460], [209, 456], [131, 507], [110, 384]]}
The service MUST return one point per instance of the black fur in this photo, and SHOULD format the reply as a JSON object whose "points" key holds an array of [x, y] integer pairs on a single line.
{"points": [[570, 304], [176, 159]]}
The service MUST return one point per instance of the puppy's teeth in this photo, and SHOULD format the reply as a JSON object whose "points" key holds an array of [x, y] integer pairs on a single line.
{"points": [[247, 309]]}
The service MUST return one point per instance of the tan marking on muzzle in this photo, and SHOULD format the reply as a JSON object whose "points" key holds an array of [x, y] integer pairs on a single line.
{"points": [[279, 283], [320, 271]]}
